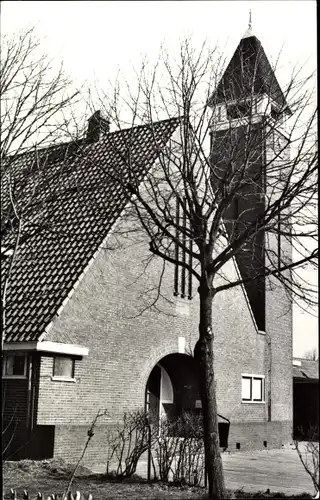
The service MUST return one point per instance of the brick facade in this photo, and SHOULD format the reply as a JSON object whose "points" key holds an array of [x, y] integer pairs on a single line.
{"points": [[124, 346], [109, 313], [19, 404]]}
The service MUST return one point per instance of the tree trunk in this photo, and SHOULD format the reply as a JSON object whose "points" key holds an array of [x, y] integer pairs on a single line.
{"points": [[204, 357]]}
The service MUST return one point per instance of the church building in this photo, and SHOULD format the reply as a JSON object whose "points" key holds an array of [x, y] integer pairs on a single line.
{"points": [[80, 335]]}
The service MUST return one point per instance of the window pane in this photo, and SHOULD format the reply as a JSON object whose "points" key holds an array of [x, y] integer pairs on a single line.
{"points": [[238, 110], [15, 365], [63, 367], [246, 388], [257, 389], [9, 365]]}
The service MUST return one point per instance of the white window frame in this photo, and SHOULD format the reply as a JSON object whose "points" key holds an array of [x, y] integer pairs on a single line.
{"points": [[4, 364], [63, 378], [219, 113], [252, 376]]}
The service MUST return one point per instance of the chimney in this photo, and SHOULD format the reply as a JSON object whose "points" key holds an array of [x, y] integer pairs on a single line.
{"points": [[98, 126]]}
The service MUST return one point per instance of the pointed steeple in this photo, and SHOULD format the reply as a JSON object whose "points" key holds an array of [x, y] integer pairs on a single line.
{"points": [[249, 73], [249, 30]]}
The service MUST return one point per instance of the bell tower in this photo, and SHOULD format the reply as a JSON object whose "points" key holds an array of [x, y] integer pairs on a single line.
{"points": [[247, 139]]}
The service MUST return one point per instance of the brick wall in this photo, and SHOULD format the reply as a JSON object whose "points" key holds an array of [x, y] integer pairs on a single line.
{"points": [[14, 399], [19, 402], [14, 411], [104, 315], [279, 316], [109, 314], [259, 435]]}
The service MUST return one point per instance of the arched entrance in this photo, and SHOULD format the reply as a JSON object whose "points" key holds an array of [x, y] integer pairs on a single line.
{"points": [[172, 388]]}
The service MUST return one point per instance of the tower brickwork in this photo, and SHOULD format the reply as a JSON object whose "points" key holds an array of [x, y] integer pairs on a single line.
{"points": [[249, 153]]}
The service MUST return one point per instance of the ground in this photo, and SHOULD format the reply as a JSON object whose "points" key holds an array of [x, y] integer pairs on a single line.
{"points": [[278, 470], [246, 473]]}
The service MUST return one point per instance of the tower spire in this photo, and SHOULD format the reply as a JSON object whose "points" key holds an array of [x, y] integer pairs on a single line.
{"points": [[249, 30]]}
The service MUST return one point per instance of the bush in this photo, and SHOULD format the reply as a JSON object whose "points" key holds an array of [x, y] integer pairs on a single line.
{"points": [[308, 453], [180, 450], [128, 443]]}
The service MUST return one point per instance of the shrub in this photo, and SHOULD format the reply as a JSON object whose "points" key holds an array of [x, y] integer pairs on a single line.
{"points": [[308, 453], [126, 445], [180, 450]]}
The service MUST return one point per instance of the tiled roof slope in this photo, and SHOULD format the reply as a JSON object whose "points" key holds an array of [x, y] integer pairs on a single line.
{"points": [[309, 369], [249, 69], [70, 204]]}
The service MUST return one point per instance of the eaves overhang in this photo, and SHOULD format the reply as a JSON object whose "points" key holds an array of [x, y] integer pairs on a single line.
{"points": [[47, 347]]}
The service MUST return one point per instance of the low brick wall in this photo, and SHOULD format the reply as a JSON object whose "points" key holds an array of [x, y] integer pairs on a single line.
{"points": [[259, 435], [70, 440]]}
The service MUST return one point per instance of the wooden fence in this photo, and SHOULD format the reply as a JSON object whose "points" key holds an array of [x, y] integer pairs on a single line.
{"points": [[57, 496]]}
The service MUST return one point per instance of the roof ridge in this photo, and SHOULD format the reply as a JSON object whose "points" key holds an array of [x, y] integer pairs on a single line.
{"points": [[145, 125], [83, 139]]}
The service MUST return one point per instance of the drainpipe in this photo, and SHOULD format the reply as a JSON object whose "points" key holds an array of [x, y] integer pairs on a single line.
{"points": [[35, 362], [147, 410], [268, 339], [30, 391], [32, 377], [29, 394]]}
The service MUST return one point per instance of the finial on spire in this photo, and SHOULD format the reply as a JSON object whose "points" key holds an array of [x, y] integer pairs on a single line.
{"points": [[249, 30]]}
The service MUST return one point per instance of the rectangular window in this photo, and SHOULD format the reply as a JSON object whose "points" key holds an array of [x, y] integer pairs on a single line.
{"points": [[246, 389], [257, 391], [252, 388], [275, 114], [63, 367], [14, 366], [238, 110]]}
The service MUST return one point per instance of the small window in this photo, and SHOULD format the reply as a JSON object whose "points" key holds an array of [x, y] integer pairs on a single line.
{"points": [[253, 388], [277, 115], [246, 389], [274, 113], [14, 366], [238, 110], [63, 367]]}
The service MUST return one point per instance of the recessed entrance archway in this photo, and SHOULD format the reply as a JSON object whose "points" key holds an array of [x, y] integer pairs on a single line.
{"points": [[172, 388]]}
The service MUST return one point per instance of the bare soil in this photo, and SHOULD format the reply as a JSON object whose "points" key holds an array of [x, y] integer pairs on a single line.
{"points": [[51, 476]]}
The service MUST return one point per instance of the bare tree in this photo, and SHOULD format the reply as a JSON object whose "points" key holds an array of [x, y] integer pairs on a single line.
{"points": [[224, 188], [35, 111], [248, 194], [308, 453]]}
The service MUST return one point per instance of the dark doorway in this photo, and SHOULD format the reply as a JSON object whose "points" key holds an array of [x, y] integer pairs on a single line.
{"points": [[172, 388]]}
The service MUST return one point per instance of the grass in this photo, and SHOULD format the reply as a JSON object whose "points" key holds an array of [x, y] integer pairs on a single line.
{"points": [[51, 476]]}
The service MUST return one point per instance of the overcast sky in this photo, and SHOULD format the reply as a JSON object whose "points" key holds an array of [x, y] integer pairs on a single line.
{"points": [[94, 39]]}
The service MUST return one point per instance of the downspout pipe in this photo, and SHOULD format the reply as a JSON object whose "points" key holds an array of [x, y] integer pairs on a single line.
{"points": [[29, 393], [269, 346]]}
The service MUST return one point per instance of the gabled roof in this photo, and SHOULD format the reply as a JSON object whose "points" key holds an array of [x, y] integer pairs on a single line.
{"points": [[71, 201], [249, 72], [305, 369]]}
